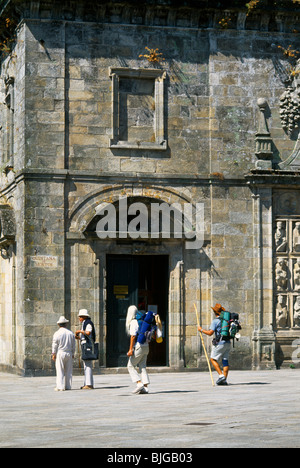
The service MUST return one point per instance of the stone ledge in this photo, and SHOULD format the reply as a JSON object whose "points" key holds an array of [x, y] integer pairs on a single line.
{"points": [[168, 13]]}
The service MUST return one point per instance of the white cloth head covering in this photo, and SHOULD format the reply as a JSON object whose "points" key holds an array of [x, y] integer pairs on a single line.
{"points": [[131, 315]]}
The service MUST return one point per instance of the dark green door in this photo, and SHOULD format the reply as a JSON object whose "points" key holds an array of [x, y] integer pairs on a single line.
{"points": [[135, 280], [122, 289]]}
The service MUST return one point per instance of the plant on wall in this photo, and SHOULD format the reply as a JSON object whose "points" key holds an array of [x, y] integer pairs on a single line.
{"points": [[224, 23], [294, 72], [289, 52], [252, 5], [7, 35], [154, 55], [292, 56]]}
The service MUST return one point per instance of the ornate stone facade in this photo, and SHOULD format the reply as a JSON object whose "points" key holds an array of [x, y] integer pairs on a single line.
{"points": [[86, 119]]}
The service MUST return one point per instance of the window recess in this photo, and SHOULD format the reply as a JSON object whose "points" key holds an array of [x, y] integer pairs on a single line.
{"points": [[138, 116]]}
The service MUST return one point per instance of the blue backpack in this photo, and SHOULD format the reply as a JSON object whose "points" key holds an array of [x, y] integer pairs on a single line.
{"points": [[147, 329], [140, 316]]}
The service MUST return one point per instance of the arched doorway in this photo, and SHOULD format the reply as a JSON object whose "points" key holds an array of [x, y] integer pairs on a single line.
{"points": [[132, 270]]}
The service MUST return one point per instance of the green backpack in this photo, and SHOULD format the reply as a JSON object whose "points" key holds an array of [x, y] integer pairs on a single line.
{"points": [[230, 325]]}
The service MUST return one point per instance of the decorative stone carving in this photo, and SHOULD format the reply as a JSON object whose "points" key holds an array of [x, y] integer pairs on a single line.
{"points": [[290, 118], [290, 104], [7, 225], [296, 238], [281, 274], [267, 352], [263, 138], [287, 263], [287, 203], [280, 237], [297, 275], [290, 109], [297, 312], [281, 312]]}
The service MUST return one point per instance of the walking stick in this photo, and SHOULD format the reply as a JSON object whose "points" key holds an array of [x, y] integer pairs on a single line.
{"points": [[211, 376]]}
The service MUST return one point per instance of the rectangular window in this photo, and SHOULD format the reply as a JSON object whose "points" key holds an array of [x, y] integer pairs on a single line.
{"points": [[138, 109]]}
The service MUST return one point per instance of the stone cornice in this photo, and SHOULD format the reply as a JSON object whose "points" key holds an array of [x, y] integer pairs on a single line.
{"points": [[273, 178], [169, 13], [62, 175]]}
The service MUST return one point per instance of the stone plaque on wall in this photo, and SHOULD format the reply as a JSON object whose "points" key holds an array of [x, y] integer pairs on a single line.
{"points": [[44, 261]]}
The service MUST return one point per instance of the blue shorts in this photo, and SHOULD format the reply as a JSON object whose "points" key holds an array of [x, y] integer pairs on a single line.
{"points": [[221, 351]]}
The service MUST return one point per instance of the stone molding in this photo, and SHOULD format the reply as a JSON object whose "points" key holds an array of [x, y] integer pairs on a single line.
{"points": [[192, 14], [86, 209]]}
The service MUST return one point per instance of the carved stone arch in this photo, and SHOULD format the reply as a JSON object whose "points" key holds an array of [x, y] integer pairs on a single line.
{"points": [[85, 209]]}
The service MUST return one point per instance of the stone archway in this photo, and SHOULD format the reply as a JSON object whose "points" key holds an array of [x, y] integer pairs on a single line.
{"points": [[85, 209], [96, 252]]}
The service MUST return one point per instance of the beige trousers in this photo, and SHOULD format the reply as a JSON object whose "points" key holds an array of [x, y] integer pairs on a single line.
{"points": [[139, 358], [64, 370]]}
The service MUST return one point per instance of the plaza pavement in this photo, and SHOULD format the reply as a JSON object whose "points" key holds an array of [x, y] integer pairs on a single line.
{"points": [[257, 410]]}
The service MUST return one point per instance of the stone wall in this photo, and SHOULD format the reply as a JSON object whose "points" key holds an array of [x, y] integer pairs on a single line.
{"points": [[76, 144], [214, 79]]}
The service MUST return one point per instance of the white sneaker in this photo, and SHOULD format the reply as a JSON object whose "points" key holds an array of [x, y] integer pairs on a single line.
{"points": [[139, 389], [145, 391], [222, 380]]}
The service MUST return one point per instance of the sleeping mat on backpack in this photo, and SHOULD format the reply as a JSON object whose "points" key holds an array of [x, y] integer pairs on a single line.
{"points": [[145, 327]]}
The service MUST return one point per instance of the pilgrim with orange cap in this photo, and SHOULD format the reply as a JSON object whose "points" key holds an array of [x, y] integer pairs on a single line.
{"points": [[221, 345]]}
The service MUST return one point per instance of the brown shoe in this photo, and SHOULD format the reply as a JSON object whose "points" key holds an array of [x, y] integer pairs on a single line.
{"points": [[87, 387]]}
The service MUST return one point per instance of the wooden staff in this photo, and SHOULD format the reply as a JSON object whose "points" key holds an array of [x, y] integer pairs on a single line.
{"points": [[211, 376]]}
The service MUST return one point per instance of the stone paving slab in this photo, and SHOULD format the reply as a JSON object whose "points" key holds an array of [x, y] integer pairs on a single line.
{"points": [[183, 410]]}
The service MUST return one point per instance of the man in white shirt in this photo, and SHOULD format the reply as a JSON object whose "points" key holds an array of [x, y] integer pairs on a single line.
{"points": [[63, 350]]}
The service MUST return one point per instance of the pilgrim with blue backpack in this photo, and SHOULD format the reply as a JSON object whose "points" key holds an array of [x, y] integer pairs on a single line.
{"points": [[142, 327]]}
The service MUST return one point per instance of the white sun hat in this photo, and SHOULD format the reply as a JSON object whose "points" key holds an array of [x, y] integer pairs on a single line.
{"points": [[62, 320], [83, 313]]}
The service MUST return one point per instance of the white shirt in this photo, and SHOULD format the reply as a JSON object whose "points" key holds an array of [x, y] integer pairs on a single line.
{"points": [[63, 340]]}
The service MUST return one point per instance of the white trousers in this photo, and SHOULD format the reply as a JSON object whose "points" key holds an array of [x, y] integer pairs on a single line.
{"points": [[64, 370], [88, 373], [139, 358]]}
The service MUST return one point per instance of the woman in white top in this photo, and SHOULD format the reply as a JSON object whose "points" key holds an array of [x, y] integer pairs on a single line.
{"points": [[86, 330], [137, 354]]}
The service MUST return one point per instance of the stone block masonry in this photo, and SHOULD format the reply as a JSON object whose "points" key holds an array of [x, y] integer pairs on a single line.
{"points": [[86, 120]]}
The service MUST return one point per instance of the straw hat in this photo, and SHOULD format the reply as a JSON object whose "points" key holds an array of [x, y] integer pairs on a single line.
{"points": [[83, 313], [218, 309], [62, 320]]}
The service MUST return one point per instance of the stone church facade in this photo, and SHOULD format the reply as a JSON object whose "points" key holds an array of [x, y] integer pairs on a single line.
{"points": [[90, 116]]}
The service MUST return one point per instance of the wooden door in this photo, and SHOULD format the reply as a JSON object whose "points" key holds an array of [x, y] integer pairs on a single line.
{"points": [[135, 280], [122, 281]]}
